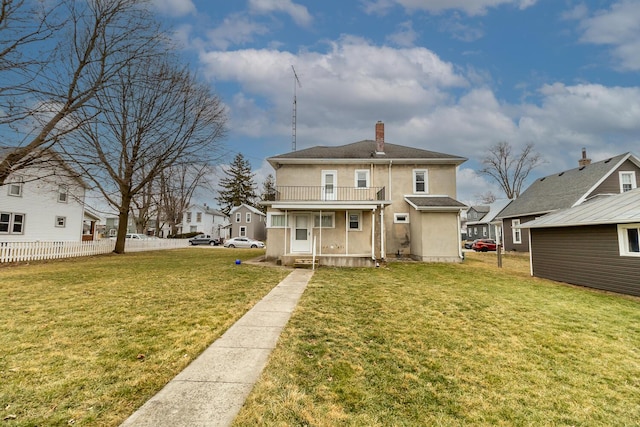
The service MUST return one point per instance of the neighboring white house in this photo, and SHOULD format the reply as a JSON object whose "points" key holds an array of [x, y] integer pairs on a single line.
{"points": [[204, 219], [44, 202]]}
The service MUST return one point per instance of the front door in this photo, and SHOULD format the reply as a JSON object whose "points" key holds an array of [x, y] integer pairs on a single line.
{"points": [[301, 234]]}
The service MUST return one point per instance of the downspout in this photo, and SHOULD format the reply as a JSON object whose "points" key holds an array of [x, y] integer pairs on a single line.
{"points": [[530, 254], [373, 234], [459, 236]]}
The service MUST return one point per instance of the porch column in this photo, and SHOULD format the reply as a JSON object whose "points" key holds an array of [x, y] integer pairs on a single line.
{"points": [[286, 225], [373, 234], [383, 254], [346, 232], [320, 232]]}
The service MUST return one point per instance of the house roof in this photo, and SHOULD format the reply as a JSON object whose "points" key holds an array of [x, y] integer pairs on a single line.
{"points": [[434, 203], [364, 151], [208, 210], [607, 209], [492, 212], [41, 158], [565, 189], [250, 208]]}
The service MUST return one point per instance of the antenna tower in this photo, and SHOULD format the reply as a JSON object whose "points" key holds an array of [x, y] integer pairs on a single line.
{"points": [[296, 82]]}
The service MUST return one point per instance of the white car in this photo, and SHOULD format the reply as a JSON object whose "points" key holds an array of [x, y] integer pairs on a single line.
{"points": [[136, 236], [243, 242]]}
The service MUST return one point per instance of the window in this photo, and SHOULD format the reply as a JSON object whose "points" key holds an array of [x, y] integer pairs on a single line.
{"points": [[362, 178], [629, 239], [238, 216], [63, 193], [420, 181], [198, 216], [61, 221], [193, 229], [15, 188], [627, 181], [484, 231], [355, 219], [328, 220], [248, 217], [243, 231], [401, 218], [188, 216], [517, 233], [11, 223], [276, 220]]}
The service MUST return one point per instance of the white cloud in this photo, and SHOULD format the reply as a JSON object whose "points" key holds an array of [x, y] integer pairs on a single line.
{"points": [[298, 13], [175, 8], [236, 29], [405, 36], [618, 27], [469, 7]]}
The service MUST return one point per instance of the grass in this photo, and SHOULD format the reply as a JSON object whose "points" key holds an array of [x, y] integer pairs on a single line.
{"points": [[87, 341], [452, 345]]}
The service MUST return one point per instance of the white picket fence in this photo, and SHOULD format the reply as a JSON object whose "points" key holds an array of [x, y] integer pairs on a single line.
{"points": [[34, 251]]}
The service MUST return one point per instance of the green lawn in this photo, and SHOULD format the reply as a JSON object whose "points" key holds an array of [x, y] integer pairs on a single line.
{"points": [[86, 341], [449, 345]]}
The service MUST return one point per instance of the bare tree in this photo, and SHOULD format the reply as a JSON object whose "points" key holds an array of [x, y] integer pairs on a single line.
{"points": [[151, 117], [508, 169], [93, 40], [486, 198]]}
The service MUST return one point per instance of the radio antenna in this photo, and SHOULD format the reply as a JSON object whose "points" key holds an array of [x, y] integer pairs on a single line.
{"points": [[296, 82]]}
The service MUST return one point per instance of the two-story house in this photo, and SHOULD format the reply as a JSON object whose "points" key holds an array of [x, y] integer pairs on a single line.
{"points": [[204, 219], [247, 221], [360, 203], [567, 189], [481, 221], [45, 202]]}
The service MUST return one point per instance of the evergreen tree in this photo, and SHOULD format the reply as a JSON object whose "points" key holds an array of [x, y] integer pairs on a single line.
{"points": [[238, 186], [268, 191]]}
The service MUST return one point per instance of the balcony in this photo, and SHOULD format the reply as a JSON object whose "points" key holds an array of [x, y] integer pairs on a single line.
{"points": [[328, 193]]}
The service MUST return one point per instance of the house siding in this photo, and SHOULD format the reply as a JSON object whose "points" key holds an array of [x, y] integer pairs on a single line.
{"points": [[611, 185], [587, 256], [256, 228], [507, 235]]}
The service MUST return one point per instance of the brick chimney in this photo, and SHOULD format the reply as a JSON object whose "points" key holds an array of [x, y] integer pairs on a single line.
{"points": [[379, 137], [584, 161]]}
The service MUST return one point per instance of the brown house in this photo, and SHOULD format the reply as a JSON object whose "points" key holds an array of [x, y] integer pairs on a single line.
{"points": [[595, 244], [567, 189]]}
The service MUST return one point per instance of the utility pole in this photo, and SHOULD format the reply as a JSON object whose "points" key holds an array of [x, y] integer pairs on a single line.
{"points": [[296, 82]]}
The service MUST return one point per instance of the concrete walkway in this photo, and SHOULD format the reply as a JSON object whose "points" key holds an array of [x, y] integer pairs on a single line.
{"points": [[213, 388]]}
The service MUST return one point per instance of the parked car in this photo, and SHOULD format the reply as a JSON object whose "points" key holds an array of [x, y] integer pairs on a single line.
{"points": [[204, 239], [468, 244], [243, 242], [484, 245], [136, 236]]}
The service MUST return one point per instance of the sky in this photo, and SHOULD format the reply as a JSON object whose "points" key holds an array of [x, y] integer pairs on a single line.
{"points": [[452, 76]]}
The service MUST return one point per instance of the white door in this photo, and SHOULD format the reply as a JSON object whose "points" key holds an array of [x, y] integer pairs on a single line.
{"points": [[301, 234], [329, 179]]}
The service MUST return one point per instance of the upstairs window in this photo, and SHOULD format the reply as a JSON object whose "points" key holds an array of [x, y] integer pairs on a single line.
{"points": [[188, 216], [362, 178], [63, 194], [238, 216], [15, 187], [248, 217], [198, 216], [627, 181], [420, 181]]}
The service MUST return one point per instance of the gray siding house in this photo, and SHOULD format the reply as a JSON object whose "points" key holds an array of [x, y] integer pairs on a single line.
{"points": [[567, 189], [247, 221], [481, 221], [595, 244]]}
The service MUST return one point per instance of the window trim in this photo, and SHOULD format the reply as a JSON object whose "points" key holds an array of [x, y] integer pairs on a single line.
{"points": [[632, 175], [242, 231], [198, 216], [60, 224], [17, 183], [334, 174], [426, 181], [247, 217], [63, 193], [623, 239], [316, 220], [188, 218], [271, 216], [238, 216], [398, 220], [12, 222], [516, 231], [359, 215], [367, 179]]}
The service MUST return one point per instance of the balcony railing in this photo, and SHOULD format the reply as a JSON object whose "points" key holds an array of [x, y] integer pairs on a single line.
{"points": [[328, 193]]}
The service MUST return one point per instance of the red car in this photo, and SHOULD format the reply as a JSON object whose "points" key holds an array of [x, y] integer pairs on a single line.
{"points": [[484, 245]]}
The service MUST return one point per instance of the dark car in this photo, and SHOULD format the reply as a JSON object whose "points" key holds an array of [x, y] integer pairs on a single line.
{"points": [[204, 239], [468, 244], [484, 245]]}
